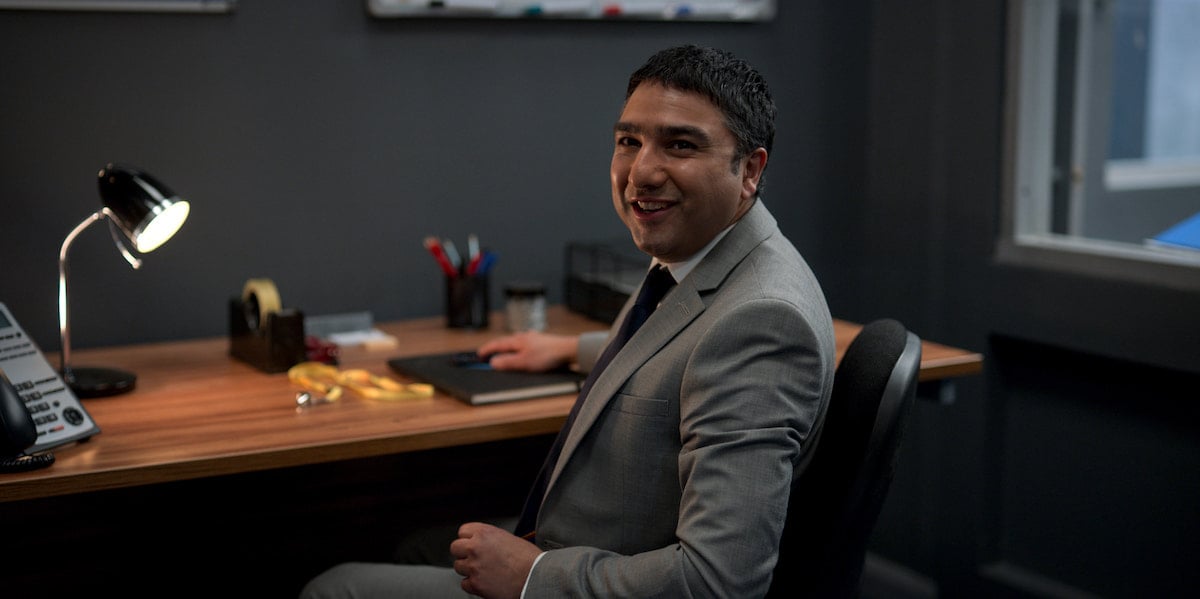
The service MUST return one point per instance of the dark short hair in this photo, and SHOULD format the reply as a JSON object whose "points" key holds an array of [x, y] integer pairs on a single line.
{"points": [[732, 84]]}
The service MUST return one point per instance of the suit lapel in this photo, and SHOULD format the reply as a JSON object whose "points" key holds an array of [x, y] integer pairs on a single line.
{"points": [[681, 306]]}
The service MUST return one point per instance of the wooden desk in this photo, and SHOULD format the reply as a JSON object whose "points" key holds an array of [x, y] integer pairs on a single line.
{"points": [[198, 413], [207, 481]]}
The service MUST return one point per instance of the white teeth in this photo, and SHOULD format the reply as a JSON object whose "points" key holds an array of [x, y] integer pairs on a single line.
{"points": [[651, 206]]}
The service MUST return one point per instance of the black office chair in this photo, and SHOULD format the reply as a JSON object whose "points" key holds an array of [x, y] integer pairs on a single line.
{"points": [[836, 501]]}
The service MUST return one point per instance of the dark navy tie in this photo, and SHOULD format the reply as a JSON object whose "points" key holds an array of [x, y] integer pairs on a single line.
{"points": [[658, 282]]}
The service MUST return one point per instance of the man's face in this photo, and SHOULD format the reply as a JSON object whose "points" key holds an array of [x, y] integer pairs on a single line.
{"points": [[674, 182]]}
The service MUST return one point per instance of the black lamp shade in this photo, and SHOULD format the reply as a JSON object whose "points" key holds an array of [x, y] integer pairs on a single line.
{"points": [[147, 211]]}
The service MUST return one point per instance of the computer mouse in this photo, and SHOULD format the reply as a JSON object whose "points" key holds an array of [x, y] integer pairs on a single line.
{"points": [[471, 360]]}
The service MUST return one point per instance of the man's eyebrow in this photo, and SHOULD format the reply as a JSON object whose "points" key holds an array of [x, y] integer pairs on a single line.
{"points": [[666, 131]]}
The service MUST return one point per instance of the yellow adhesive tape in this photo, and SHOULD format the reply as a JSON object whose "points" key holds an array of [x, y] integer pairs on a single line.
{"points": [[260, 294]]}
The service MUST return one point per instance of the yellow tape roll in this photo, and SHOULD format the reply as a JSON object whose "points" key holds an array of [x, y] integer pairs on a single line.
{"points": [[261, 298]]}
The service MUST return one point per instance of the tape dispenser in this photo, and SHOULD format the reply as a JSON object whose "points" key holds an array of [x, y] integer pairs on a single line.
{"points": [[262, 332]]}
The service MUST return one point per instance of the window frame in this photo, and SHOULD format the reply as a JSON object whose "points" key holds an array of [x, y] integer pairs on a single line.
{"points": [[1026, 237]]}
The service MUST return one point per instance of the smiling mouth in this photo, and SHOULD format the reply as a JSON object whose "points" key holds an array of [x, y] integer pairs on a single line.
{"points": [[649, 206]]}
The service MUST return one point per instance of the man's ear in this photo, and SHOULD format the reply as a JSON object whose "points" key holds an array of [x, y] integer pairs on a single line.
{"points": [[753, 166]]}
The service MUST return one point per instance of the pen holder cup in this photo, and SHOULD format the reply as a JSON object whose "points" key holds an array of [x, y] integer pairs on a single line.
{"points": [[467, 302]]}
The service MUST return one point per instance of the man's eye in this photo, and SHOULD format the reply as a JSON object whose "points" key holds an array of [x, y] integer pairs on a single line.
{"points": [[680, 144], [627, 141]]}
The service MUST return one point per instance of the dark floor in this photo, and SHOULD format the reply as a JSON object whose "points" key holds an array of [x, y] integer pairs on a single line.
{"points": [[885, 579]]}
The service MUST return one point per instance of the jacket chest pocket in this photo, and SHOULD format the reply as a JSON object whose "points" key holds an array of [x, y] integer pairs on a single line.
{"points": [[641, 406]]}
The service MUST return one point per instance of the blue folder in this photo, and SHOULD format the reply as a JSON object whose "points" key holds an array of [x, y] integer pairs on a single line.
{"points": [[1185, 234]]}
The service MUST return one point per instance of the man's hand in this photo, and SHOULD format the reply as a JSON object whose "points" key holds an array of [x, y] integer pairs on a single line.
{"points": [[493, 562], [530, 350]]}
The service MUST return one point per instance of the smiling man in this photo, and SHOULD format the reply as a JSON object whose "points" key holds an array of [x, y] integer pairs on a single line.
{"points": [[672, 475]]}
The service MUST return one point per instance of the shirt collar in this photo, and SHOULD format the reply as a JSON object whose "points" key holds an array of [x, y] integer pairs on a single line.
{"points": [[680, 269]]}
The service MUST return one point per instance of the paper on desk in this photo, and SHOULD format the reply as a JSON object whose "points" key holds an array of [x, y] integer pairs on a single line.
{"points": [[372, 338]]}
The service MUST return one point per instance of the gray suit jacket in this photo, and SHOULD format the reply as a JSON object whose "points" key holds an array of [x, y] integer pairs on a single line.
{"points": [[674, 480]]}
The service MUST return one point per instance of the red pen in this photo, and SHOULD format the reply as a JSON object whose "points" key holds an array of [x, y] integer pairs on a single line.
{"points": [[435, 247], [474, 264]]}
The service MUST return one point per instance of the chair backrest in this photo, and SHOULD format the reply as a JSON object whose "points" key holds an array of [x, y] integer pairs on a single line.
{"points": [[835, 502]]}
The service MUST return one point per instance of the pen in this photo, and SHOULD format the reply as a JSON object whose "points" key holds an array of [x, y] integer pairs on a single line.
{"points": [[472, 246], [485, 263], [435, 248], [473, 266], [452, 253]]}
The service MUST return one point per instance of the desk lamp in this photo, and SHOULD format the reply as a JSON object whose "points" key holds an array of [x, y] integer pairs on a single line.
{"points": [[148, 214]]}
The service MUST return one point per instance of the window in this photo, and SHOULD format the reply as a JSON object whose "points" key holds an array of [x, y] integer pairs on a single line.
{"points": [[1103, 136]]}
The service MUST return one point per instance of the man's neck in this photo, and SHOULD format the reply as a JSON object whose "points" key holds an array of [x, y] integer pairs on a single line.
{"points": [[681, 268]]}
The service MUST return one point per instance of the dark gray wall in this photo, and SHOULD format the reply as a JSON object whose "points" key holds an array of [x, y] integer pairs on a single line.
{"points": [[1072, 467], [320, 146]]}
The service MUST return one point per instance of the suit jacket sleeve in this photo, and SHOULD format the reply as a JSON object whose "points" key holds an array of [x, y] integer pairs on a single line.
{"points": [[591, 344]]}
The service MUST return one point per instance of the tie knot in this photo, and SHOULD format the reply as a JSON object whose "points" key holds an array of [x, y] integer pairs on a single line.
{"points": [[658, 282]]}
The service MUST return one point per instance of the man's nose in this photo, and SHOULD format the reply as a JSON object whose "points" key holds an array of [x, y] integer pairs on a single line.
{"points": [[647, 168]]}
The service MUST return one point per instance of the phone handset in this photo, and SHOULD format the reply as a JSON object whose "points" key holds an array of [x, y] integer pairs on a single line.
{"points": [[17, 432]]}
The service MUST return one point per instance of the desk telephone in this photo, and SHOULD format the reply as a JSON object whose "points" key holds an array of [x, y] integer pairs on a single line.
{"points": [[38, 410]]}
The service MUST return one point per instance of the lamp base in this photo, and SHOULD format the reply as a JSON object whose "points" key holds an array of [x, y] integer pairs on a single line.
{"points": [[99, 382]]}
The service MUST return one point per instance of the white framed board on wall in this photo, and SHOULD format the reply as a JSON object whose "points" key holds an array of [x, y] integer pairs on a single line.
{"points": [[646, 10], [201, 6]]}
